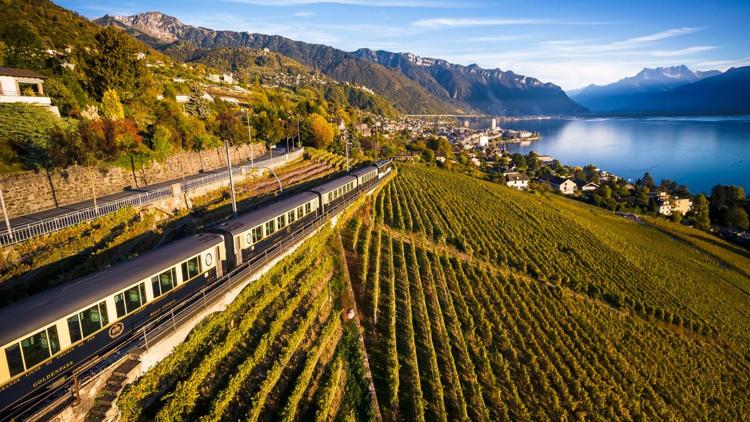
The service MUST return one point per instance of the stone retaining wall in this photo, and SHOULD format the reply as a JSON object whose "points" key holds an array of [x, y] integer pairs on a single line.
{"points": [[28, 192]]}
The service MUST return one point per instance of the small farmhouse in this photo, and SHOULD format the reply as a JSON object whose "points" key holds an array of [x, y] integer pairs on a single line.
{"points": [[560, 184], [518, 181]]}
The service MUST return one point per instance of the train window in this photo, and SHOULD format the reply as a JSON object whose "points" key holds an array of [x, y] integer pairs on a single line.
{"points": [[130, 300], [74, 328], [91, 320], [14, 359], [119, 306], [191, 268], [308, 208], [257, 234], [291, 216], [281, 221], [163, 282], [300, 211], [35, 348], [54, 340], [270, 227]]}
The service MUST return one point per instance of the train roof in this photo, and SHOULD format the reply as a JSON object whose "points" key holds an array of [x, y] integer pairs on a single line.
{"points": [[381, 163], [37, 311], [364, 170], [333, 184], [251, 219]]}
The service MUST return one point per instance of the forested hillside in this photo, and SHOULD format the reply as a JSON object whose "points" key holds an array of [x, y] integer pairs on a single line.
{"points": [[119, 98], [161, 30], [485, 303]]}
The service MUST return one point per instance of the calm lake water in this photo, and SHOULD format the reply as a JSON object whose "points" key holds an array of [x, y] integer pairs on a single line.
{"points": [[699, 152]]}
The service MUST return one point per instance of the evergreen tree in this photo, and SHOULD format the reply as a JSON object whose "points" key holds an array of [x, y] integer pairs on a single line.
{"points": [[701, 215], [112, 63]]}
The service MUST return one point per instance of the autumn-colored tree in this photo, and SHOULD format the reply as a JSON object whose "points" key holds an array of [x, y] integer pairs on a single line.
{"points": [[228, 126], [112, 108], [321, 132]]}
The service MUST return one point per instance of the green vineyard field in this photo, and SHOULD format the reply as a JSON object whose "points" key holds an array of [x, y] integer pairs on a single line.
{"points": [[475, 302], [483, 303], [280, 351]]}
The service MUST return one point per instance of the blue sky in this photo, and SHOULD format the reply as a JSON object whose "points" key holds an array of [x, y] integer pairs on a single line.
{"points": [[570, 43]]}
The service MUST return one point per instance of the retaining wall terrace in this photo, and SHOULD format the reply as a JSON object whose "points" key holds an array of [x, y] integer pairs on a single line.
{"points": [[30, 191]]}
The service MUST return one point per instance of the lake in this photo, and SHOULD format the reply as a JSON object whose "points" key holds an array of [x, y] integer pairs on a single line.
{"points": [[699, 152]]}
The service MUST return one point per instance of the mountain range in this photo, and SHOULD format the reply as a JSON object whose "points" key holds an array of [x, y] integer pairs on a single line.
{"points": [[413, 84], [671, 90]]}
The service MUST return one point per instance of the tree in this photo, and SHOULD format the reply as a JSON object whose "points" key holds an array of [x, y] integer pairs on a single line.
{"points": [[111, 106], [700, 211], [22, 46], [92, 144], [519, 161], [161, 141], [320, 130], [647, 180], [441, 146], [112, 63], [229, 127], [736, 217], [718, 200], [428, 156], [2, 53]]}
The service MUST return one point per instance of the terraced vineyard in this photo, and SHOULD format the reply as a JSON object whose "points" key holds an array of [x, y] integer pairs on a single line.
{"points": [[279, 351], [480, 302], [329, 158]]}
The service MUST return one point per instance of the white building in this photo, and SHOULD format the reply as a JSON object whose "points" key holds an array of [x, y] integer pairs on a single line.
{"points": [[24, 86], [560, 184], [518, 181], [589, 187], [224, 77], [493, 124], [483, 140]]}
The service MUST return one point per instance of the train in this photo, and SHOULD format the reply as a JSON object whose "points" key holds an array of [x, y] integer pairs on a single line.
{"points": [[47, 336]]}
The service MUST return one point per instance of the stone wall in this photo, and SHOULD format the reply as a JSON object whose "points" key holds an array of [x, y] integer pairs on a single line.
{"points": [[28, 192]]}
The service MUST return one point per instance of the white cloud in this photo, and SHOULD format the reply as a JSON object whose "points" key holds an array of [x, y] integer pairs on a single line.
{"points": [[583, 47], [682, 52], [304, 14], [721, 64], [464, 22], [499, 38], [375, 3], [670, 33]]}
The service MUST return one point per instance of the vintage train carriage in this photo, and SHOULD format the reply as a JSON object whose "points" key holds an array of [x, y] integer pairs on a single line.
{"points": [[254, 231], [335, 190], [384, 167], [366, 176], [48, 335]]}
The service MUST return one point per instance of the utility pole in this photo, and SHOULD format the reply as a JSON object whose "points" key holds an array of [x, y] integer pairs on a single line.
{"points": [[344, 137], [346, 145], [231, 178], [299, 137], [250, 139], [5, 214]]}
